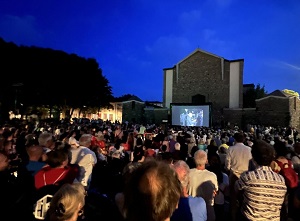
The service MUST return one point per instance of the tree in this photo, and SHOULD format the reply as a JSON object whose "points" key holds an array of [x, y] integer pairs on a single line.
{"points": [[48, 80], [252, 94]]}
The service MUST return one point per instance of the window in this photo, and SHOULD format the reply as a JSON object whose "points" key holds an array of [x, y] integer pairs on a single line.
{"points": [[133, 105]]}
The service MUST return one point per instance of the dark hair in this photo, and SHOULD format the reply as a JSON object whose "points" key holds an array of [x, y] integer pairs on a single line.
{"points": [[262, 152], [152, 192], [139, 141], [56, 158], [280, 148], [239, 137], [164, 147], [214, 162]]}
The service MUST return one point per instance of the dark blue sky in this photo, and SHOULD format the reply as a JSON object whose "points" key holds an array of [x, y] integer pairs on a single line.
{"points": [[134, 40]]}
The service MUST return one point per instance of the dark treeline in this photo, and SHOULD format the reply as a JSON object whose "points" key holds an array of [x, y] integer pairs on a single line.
{"points": [[33, 76]]}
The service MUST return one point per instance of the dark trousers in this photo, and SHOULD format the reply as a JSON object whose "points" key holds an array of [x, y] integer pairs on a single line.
{"points": [[234, 206], [220, 212]]}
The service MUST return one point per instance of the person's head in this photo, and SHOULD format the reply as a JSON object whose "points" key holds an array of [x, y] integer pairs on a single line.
{"points": [[222, 150], [139, 141], [280, 148], [152, 192], [213, 143], [31, 140], [193, 150], [177, 146], [46, 139], [85, 140], [163, 148], [200, 158], [9, 147], [263, 153], [4, 161], [73, 142], [297, 147], [182, 170], [35, 152], [128, 170], [214, 160], [239, 137], [67, 203], [57, 158]]}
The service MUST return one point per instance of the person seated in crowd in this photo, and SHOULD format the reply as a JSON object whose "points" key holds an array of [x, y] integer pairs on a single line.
{"points": [[189, 208], [152, 192], [67, 203]]}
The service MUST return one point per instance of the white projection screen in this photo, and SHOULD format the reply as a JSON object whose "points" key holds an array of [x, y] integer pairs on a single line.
{"points": [[191, 115]]}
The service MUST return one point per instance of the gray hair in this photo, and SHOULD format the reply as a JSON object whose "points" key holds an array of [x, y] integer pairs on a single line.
{"points": [[183, 171], [85, 140], [44, 138], [200, 157]]}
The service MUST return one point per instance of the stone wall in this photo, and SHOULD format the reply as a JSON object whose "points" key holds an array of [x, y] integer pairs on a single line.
{"points": [[278, 111], [295, 112], [239, 117]]}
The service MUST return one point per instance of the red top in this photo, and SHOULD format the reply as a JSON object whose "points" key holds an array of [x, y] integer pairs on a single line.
{"points": [[58, 176]]}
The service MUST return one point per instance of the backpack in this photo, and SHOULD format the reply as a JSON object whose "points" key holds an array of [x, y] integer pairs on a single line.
{"points": [[289, 174]]}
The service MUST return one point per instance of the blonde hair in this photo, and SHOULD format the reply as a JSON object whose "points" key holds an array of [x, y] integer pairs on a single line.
{"points": [[67, 201]]}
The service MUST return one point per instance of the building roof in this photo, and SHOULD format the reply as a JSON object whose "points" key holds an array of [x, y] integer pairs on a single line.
{"points": [[278, 93], [127, 97], [134, 98]]}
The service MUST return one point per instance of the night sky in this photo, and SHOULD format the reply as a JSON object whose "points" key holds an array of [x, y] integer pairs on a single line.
{"points": [[134, 40]]}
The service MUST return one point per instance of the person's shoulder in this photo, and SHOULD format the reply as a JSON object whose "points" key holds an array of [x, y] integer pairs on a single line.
{"points": [[196, 199]]}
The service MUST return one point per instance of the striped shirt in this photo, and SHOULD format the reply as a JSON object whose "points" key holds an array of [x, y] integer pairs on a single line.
{"points": [[263, 194]]}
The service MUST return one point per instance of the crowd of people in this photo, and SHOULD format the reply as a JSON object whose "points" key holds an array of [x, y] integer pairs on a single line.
{"points": [[112, 171]]}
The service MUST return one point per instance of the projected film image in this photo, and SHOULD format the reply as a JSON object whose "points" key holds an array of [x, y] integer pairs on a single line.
{"points": [[191, 115]]}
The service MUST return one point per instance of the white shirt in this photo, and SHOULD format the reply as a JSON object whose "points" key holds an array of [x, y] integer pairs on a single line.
{"points": [[237, 158], [203, 183], [86, 159]]}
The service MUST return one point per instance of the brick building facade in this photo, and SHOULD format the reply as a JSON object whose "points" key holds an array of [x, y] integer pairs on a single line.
{"points": [[278, 108], [202, 78]]}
